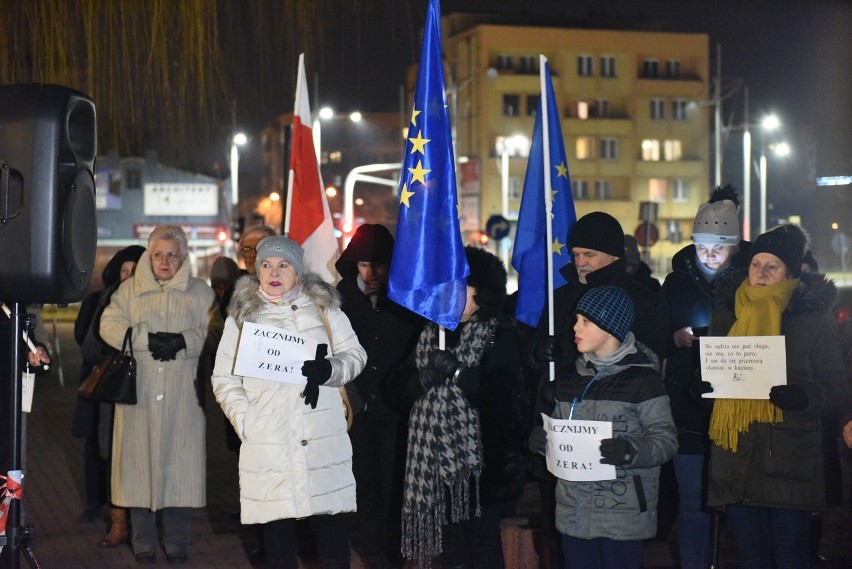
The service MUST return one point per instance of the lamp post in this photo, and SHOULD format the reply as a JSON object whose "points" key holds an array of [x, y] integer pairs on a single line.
{"points": [[238, 140], [506, 147], [770, 123], [327, 114]]}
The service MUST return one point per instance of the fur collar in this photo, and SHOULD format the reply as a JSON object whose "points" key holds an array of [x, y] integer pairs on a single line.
{"points": [[246, 304], [815, 293], [145, 281]]}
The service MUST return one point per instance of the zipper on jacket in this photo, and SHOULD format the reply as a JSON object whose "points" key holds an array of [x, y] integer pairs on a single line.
{"points": [[571, 412]]}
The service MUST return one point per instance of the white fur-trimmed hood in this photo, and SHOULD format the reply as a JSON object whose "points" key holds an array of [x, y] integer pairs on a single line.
{"points": [[246, 303]]}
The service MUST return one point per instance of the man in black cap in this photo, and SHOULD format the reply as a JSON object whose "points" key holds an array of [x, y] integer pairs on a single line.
{"points": [[597, 245], [388, 332]]}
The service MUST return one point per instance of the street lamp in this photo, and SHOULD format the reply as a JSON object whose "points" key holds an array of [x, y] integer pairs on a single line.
{"points": [[514, 145], [327, 114], [769, 123], [238, 140]]}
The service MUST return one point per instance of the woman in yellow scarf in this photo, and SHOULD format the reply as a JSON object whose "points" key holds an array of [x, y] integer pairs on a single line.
{"points": [[766, 462]]}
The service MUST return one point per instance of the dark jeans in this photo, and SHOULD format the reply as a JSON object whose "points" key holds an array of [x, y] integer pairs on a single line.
{"points": [[279, 538], [601, 553], [694, 529], [767, 534], [378, 465], [475, 543], [176, 522]]}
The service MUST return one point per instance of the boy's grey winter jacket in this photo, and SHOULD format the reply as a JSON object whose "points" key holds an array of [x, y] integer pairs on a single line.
{"points": [[295, 461], [631, 395]]}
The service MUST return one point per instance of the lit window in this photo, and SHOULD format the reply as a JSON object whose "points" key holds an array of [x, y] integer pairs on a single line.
{"points": [[585, 65], [580, 189], [679, 109], [657, 190], [680, 191], [603, 190], [609, 148], [658, 109], [650, 150], [582, 110], [511, 105], [650, 68], [335, 156], [585, 148], [607, 66], [671, 150]]}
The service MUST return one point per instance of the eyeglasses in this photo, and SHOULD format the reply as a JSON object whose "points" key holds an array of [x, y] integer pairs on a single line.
{"points": [[248, 252], [171, 256]]}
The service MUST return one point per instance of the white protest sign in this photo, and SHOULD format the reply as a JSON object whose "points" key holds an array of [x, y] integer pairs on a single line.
{"points": [[743, 367], [573, 449], [276, 354]]}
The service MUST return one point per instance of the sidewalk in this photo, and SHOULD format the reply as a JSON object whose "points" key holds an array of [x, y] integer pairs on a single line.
{"points": [[53, 494]]}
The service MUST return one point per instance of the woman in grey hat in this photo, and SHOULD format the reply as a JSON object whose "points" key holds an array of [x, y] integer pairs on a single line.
{"points": [[295, 458]]}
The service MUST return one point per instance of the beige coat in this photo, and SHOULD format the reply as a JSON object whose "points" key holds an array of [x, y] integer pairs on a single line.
{"points": [[158, 452], [294, 461]]}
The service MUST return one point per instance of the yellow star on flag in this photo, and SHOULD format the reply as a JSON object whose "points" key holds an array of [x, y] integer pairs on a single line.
{"points": [[414, 113], [562, 170], [419, 173], [419, 143], [557, 246], [404, 194]]}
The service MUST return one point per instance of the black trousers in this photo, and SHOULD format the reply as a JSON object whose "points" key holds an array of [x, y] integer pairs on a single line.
{"points": [[378, 463], [279, 538], [475, 543]]}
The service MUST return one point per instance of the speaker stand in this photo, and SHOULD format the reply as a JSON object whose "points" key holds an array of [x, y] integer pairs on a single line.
{"points": [[17, 538]]}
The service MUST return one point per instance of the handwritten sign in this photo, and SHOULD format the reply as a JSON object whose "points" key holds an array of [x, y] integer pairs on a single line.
{"points": [[273, 353], [743, 367], [573, 449]]}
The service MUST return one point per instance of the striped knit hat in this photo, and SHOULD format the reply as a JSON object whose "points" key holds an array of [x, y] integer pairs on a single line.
{"points": [[609, 308]]}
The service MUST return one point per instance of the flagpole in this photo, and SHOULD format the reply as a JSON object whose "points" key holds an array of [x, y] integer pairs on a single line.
{"points": [[296, 102], [548, 204]]}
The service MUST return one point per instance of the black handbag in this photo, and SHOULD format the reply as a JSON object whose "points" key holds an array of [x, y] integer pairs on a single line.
{"points": [[118, 384]]}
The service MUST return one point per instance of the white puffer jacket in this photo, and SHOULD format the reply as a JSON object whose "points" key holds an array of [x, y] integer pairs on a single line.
{"points": [[294, 461]]}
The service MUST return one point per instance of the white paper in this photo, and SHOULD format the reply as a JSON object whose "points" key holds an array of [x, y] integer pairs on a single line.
{"points": [[27, 388], [276, 354], [573, 449], [743, 367]]}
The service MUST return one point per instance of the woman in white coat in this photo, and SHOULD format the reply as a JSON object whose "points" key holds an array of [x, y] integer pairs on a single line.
{"points": [[158, 449], [295, 457]]}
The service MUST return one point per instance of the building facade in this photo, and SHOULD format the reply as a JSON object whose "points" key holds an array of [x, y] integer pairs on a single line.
{"points": [[635, 119], [135, 194]]}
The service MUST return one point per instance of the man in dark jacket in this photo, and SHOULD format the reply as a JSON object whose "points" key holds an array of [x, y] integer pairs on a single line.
{"points": [[388, 332], [689, 292]]}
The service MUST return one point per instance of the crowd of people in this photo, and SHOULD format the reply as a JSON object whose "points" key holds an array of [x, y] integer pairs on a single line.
{"points": [[427, 437]]}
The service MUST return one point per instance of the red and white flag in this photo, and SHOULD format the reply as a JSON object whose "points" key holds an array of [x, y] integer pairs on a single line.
{"points": [[308, 221]]}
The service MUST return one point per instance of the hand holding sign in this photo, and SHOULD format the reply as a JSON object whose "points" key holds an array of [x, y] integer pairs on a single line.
{"points": [[317, 370]]}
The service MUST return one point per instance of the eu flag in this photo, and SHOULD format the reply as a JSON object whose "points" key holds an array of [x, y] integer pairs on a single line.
{"points": [[428, 272], [528, 256]]}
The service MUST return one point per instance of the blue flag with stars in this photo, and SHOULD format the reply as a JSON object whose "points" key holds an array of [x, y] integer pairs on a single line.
{"points": [[528, 256], [428, 272]]}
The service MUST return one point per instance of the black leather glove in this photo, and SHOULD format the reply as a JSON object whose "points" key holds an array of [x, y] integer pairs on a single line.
{"points": [[164, 346], [318, 371], [699, 388], [443, 362], [789, 397], [546, 349], [617, 452], [537, 441]]}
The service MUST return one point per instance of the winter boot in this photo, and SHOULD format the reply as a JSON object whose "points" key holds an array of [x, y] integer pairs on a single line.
{"points": [[118, 530]]}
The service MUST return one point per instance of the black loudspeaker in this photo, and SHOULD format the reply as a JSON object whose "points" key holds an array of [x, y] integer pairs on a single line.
{"points": [[48, 231]]}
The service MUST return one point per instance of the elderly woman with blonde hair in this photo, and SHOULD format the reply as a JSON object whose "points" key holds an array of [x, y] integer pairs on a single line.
{"points": [[158, 444]]}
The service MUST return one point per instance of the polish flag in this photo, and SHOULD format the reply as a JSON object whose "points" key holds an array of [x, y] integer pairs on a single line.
{"points": [[308, 220]]}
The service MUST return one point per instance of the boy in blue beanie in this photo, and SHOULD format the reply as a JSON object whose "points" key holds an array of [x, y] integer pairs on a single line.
{"points": [[614, 379]]}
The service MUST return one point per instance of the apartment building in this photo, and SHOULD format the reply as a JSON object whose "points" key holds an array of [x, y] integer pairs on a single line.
{"points": [[635, 119]]}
